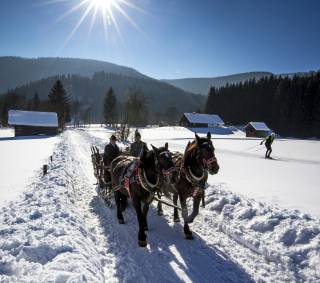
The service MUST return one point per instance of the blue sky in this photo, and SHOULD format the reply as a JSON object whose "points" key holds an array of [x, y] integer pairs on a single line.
{"points": [[172, 38]]}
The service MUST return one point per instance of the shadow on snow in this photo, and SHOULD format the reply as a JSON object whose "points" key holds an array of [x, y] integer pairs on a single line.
{"points": [[168, 257]]}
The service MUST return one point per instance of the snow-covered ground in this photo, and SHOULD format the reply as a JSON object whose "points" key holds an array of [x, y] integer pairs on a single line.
{"points": [[20, 158], [60, 231], [291, 180]]}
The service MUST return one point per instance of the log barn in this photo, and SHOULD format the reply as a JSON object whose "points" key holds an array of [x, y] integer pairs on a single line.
{"points": [[30, 123], [197, 120], [257, 129]]}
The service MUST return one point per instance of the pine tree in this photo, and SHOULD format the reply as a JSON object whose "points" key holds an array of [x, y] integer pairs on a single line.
{"points": [[172, 115], [136, 108], [59, 103], [35, 102], [110, 108]]}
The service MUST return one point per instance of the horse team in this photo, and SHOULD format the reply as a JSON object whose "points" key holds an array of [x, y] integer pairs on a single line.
{"points": [[159, 172]]}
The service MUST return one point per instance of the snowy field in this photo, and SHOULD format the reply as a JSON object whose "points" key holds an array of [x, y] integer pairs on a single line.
{"points": [[260, 222], [20, 158], [291, 180]]}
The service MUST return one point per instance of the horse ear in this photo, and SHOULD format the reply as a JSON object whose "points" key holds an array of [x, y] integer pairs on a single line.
{"points": [[209, 136], [166, 146], [197, 137], [155, 149], [143, 153]]}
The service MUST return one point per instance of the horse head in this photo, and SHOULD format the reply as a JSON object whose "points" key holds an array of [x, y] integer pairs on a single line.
{"points": [[165, 164], [206, 153]]}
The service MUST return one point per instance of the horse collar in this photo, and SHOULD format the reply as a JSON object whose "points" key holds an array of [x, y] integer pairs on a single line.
{"points": [[144, 182]]}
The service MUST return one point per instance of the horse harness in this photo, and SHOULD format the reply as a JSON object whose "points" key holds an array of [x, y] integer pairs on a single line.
{"points": [[197, 183], [135, 173]]}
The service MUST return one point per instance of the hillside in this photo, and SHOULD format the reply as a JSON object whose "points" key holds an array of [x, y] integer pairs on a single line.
{"points": [[202, 85], [17, 71], [91, 91]]}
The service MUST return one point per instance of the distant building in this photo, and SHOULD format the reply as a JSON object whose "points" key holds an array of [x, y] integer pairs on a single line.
{"points": [[29, 123], [257, 129], [196, 120]]}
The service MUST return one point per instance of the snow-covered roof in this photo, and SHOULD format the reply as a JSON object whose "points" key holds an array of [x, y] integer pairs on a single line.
{"points": [[204, 118], [259, 126], [32, 118]]}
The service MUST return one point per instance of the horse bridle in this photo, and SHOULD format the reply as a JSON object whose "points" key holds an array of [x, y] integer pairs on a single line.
{"points": [[207, 162], [167, 173]]}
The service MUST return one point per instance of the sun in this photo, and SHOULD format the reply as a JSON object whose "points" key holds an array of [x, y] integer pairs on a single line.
{"points": [[106, 10], [104, 4]]}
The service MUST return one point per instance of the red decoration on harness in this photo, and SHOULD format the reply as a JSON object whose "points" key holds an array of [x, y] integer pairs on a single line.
{"points": [[127, 185]]}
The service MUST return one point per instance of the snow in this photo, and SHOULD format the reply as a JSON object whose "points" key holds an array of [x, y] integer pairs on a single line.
{"points": [[259, 126], [20, 158], [32, 118], [290, 181], [209, 119], [61, 231]]}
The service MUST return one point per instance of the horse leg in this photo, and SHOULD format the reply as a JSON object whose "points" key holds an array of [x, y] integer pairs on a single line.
{"points": [[146, 207], [186, 227], [195, 211], [142, 237], [175, 210], [123, 203], [117, 197]]}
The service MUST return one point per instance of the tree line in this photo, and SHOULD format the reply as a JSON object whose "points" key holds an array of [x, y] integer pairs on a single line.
{"points": [[91, 91], [134, 110], [289, 105], [57, 101]]}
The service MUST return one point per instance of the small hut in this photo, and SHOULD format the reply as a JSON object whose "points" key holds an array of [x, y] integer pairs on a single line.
{"points": [[196, 120], [257, 129], [30, 123]]}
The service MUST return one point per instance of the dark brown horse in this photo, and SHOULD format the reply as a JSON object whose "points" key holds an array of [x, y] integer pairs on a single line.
{"points": [[198, 160], [141, 179]]}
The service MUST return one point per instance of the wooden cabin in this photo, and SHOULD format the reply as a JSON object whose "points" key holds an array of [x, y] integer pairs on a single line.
{"points": [[31, 123], [197, 120], [257, 129]]}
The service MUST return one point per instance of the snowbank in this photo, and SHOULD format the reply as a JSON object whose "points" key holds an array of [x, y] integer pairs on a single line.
{"points": [[20, 158], [289, 239], [44, 236]]}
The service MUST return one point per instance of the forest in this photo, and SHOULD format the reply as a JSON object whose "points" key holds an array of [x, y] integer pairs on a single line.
{"points": [[290, 105], [90, 93]]}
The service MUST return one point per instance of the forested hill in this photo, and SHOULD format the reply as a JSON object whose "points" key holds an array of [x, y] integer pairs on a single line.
{"points": [[289, 105], [17, 71], [91, 92], [202, 85]]}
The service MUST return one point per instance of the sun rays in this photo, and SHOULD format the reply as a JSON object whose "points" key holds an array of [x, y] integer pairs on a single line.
{"points": [[104, 11]]}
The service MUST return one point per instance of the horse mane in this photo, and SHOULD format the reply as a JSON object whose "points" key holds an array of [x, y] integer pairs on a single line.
{"points": [[190, 151], [191, 146]]}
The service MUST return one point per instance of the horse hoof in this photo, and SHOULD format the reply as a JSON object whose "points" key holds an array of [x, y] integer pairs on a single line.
{"points": [[176, 220], [121, 221], [142, 243], [160, 213], [189, 236]]}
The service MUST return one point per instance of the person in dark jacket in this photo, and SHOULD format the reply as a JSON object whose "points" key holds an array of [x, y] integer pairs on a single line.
{"points": [[111, 151], [268, 142], [138, 146]]}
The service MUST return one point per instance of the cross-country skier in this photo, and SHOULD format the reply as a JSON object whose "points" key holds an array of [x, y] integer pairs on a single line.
{"points": [[268, 142]]}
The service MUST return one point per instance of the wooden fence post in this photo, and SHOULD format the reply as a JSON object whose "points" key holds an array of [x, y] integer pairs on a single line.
{"points": [[45, 169]]}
